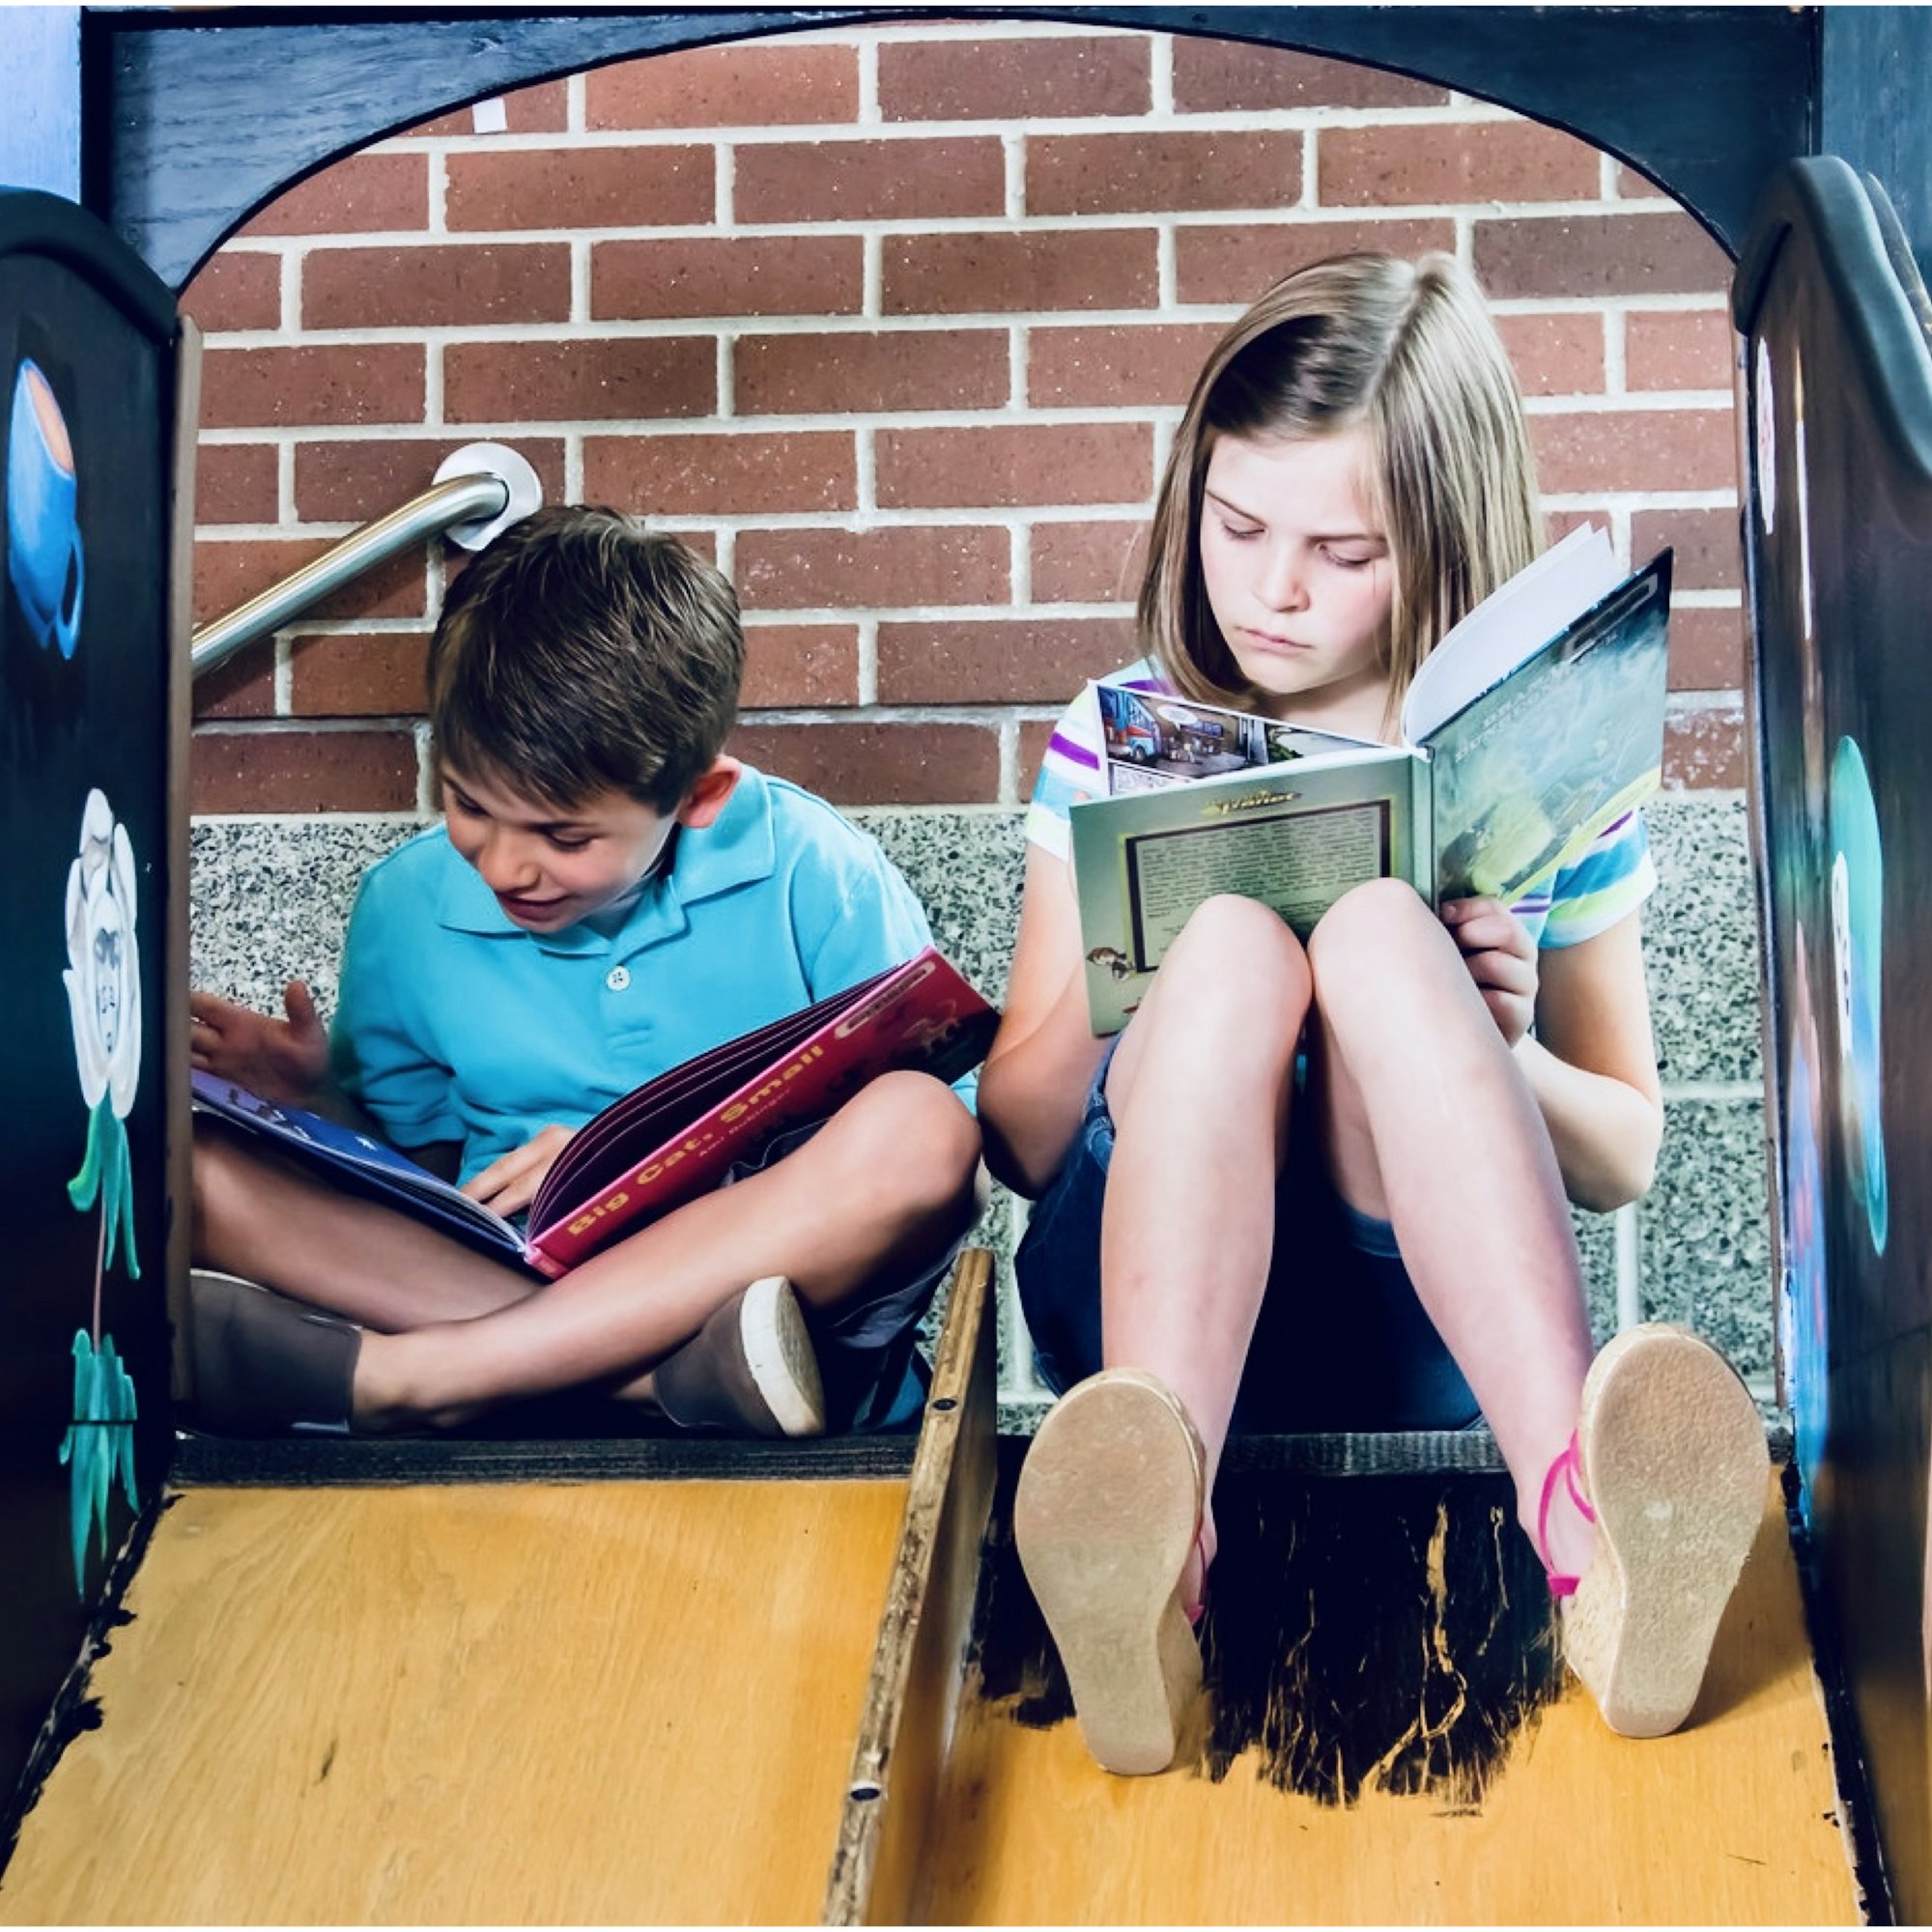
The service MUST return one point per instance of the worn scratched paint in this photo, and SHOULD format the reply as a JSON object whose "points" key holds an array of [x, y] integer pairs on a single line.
{"points": [[1363, 1633]]}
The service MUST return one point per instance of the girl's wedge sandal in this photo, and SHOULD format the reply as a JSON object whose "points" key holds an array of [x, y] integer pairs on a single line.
{"points": [[1669, 1460], [1107, 1512]]}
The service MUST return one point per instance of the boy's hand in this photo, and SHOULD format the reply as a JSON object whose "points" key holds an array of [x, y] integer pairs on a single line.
{"points": [[284, 1060], [1501, 959], [512, 1179]]}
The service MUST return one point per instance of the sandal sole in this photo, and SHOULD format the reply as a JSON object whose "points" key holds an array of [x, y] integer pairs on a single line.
{"points": [[1105, 1515], [1674, 1461]]}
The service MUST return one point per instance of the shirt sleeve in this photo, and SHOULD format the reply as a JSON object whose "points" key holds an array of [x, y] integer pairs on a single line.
{"points": [[876, 919], [1612, 878], [378, 1052], [1070, 771]]}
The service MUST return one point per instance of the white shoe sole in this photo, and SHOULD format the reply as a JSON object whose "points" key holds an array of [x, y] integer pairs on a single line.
{"points": [[1105, 1517], [1675, 1465], [780, 1354]]}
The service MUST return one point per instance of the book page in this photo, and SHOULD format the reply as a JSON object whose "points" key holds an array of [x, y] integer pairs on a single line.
{"points": [[1526, 776], [1510, 625]]}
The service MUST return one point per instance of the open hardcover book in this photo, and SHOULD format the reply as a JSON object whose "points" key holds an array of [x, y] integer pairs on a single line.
{"points": [[1534, 726], [674, 1137]]}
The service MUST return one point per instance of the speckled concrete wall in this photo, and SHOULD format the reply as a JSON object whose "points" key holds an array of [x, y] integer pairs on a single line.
{"points": [[271, 897]]}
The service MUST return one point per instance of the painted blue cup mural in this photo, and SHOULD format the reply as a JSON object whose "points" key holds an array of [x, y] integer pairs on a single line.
{"points": [[44, 561], [103, 990], [1857, 934]]}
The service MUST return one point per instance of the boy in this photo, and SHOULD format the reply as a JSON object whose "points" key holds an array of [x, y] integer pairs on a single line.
{"points": [[608, 896]]}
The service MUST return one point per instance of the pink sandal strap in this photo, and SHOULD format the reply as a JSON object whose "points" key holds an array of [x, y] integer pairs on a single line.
{"points": [[1567, 1466]]}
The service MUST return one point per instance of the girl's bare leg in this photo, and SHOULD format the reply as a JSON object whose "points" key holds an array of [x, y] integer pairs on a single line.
{"points": [[1431, 1125], [1199, 1089], [882, 1191], [272, 1221]]}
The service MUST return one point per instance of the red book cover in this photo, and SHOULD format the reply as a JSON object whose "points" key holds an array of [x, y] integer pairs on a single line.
{"points": [[674, 1137]]}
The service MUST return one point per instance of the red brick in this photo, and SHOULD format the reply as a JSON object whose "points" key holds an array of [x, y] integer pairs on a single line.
{"points": [[540, 109], [1629, 183], [1693, 348], [1635, 449], [1592, 255], [586, 381], [1034, 736], [1704, 751], [228, 574], [1216, 77], [759, 84], [236, 289], [1002, 661], [878, 763], [1122, 174], [724, 476], [1558, 524], [302, 771], [1707, 649], [1075, 463], [581, 188], [870, 181], [813, 665], [360, 194], [351, 482], [1087, 563], [1234, 262], [893, 567], [1014, 80], [1429, 164], [1035, 270], [896, 369], [361, 383], [435, 286], [1555, 355], [1709, 552], [237, 483], [753, 275], [1099, 367], [376, 674], [244, 687]]}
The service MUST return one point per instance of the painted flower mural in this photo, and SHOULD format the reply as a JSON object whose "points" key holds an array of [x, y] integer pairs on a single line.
{"points": [[103, 989]]}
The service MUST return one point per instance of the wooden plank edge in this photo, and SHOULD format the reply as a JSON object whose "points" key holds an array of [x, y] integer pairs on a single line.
{"points": [[912, 1694]]}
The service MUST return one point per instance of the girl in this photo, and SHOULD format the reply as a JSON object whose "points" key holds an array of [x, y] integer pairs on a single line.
{"points": [[1358, 1218]]}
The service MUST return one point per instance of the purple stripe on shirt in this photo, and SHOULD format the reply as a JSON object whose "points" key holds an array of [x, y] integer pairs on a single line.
{"points": [[1074, 754]]}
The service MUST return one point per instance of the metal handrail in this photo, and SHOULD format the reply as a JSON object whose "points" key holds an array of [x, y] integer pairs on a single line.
{"points": [[471, 507]]}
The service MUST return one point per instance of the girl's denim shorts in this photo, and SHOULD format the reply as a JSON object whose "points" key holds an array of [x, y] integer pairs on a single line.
{"points": [[1342, 1342]]}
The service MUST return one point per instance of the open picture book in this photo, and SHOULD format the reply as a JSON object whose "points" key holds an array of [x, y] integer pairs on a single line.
{"points": [[1533, 726], [673, 1138]]}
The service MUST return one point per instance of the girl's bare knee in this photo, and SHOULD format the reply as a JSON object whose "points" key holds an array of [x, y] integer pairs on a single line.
{"points": [[1241, 944], [1371, 935]]}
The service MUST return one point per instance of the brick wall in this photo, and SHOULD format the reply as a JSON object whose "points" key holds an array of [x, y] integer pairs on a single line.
{"points": [[895, 323]]}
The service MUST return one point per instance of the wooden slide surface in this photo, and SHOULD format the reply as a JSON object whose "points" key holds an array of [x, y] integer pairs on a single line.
{"points": [[1487, 1792], [618, 1702]]}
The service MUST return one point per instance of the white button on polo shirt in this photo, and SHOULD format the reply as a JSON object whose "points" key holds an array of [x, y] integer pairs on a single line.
{"points": [[617, 979]]}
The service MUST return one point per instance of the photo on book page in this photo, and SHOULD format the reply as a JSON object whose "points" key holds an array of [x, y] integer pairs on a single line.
{"points": [[1152, 739]]}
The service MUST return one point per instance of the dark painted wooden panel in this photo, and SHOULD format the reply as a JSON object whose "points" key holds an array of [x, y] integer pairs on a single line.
{"points": [[194, 121], [1873, 70], [87, 399], [1839, 558]]}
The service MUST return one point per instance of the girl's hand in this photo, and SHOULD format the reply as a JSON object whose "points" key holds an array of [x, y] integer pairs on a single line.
{"points": [[1501, 959], [511, 1181], [285, 1060]]}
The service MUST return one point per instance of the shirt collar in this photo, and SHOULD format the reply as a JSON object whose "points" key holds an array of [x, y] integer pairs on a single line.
{"points": [[737, 848]]}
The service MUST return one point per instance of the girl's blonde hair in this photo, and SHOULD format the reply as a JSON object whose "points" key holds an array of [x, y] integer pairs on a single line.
{"points": [[1407, 352]]}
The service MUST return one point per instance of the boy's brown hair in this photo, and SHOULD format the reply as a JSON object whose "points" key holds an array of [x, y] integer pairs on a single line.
{"points": [[582, 653]]}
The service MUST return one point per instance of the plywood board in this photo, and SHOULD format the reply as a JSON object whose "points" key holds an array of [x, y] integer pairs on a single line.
{"points": [[1524, 1810], [609, 1703]]}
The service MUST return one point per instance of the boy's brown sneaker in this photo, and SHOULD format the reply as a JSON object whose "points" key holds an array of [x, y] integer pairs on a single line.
{"points": [[265, 1365], [1107, 1513], [1673, 1462], [749, 1370]]}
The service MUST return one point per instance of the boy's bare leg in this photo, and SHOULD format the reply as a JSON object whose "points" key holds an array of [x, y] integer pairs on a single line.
{"points": [[883, 1190], [1431, 1125], [1199, 1090], [264, 1217]]}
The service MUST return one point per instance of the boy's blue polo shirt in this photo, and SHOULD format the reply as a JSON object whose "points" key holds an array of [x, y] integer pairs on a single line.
{"points": [[455, 1024]]}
